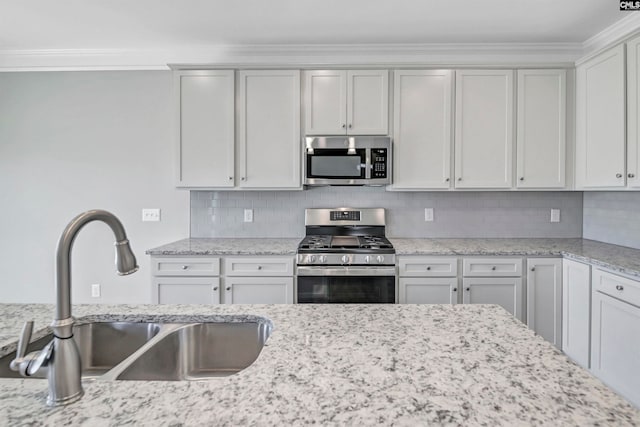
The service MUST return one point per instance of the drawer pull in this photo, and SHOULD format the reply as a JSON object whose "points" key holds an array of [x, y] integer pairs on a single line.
{"points": [[533, 269], [428, 268], [215, 288], [228, 288], [184, 267], [259, 267], [468, 289], [620, 287], [493, 268], [455, 289]]}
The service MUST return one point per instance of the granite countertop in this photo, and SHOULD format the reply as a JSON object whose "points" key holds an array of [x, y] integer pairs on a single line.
{"points": [[342, 365], [616, 258]]}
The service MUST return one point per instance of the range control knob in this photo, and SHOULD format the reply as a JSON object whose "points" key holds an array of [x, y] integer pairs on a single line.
{"points": [[380, 259], [322, 259], [345, 259], [367, 259], [311, 259]]}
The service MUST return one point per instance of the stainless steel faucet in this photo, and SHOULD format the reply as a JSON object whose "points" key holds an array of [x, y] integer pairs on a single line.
{"points": [[59, 360]]}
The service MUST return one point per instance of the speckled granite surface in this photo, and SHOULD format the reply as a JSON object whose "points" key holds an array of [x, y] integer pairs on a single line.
{"points": [[343, 365], [228, 247]]}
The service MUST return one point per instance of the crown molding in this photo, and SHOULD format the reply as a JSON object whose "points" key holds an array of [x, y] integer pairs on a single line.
{"points": [[610, 36], [450, 54]]}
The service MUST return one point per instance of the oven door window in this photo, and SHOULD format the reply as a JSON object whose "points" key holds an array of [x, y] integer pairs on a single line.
{"points": [[332, 163], [346, 289]]}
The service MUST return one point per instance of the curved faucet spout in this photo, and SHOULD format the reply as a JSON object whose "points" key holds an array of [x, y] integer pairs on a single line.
{"points": [[125, 260]]}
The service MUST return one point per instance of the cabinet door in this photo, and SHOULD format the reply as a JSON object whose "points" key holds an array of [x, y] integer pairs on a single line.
{"points": [[258, 290], [368, 102], [325, 94], [269, 141], [186, 290], [484, 129], [615, 351], [633, 112], [428, 290], [576, 311], [205, 126], [544, 298], [600, 121], [422, 129], [541, 129], [506, 292]]}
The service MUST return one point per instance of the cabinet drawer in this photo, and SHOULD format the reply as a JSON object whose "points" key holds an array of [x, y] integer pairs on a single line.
{"points": [[428, 267], [186, 290], [185, 266], [616, 286], [492, 267], [253, 266]]}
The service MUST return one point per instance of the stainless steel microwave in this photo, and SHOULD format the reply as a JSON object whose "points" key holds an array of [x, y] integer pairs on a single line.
{"points": [[348, 160]]}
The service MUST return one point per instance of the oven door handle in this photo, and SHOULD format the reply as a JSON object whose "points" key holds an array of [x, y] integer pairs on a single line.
{"points": [[346, 271]]}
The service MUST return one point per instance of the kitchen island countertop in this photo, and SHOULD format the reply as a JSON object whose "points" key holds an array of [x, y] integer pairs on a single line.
{"points": [[341, 365]]}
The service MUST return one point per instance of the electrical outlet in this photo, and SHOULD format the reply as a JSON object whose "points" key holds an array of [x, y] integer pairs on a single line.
{"points": [[248, 215], [95, 290], [428, 214], [555, 215], [151, 214]]}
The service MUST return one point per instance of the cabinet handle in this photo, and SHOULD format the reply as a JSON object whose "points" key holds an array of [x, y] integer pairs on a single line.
{"points": [[243, 178], [446, 179], [228, 288], [350, 125], [428, 268], [620, 287], [344, 126], [533, 269], [455, 289], [259, 267], [631, 175], [493, 268], [184, 267], [459, 178], [618, 175], [522, 178], [230, 178], [215, 288], [467, 289]]}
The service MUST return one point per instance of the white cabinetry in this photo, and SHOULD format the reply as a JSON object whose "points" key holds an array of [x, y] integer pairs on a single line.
{"points": [[427, 280], [576, 313], [258, 280], [340, 102], [633, 113], [185, 280], [600, 121], [422, 129], [205, 109], [269, 129], [541, 129], [484, 129], [615, 335], [544, 298], [494, 281]]}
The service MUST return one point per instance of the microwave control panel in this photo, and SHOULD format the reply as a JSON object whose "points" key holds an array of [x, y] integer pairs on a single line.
{"points": [[379, 163]]}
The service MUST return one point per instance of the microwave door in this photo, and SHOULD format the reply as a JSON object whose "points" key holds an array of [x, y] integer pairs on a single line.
{"points": [[337, 164]]}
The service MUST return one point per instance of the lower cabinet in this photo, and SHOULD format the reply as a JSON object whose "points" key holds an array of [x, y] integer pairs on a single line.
{"points": [[544, 298], [576, 311], [428, 290], [258, 290], [615, 333], [504, 291], [186, 290]]}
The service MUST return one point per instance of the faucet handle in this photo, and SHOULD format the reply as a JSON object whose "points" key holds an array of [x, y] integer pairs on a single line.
{"points": [[23, 343]]}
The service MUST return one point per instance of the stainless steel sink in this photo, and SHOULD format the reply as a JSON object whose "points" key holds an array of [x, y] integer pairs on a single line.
{"points": [[102, 345], [162, 351]]}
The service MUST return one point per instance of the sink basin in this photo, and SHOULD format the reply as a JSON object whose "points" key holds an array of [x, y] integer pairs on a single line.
{"points": [[102, 345], [161, 351], [200, 351]]}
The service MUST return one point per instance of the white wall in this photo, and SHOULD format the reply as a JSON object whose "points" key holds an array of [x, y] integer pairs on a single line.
{"points": [[72, 141], [612, 217]]}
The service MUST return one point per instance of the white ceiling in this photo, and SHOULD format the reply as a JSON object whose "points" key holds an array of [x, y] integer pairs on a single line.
{"points": [[153, 24]]}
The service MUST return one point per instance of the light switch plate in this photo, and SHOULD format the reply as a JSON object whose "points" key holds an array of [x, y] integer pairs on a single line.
{"points": [[95, 290], [428, 214], [248, 215], [555, 215], [151, 214]]}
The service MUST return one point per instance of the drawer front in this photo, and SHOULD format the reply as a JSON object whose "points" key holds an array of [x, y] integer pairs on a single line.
{"points": [[254, 266], [492, 267], [616, 286], [175, 266], [427, 267]]}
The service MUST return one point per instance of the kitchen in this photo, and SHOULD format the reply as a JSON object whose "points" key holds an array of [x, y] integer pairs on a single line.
{"points": [[102, 122]]}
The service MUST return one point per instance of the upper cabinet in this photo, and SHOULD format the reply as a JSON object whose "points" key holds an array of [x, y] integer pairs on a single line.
{"points": [[346, 102], [541, 129], [205, 128], [269, 129], [484, 129], [600, 121], [422, 129]]}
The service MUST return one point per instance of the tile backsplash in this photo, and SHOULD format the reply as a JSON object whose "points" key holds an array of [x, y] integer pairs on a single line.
{"points": [[612, 217], [456, 214]]}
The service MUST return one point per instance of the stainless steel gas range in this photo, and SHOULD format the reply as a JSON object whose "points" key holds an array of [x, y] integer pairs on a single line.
{"points": [[346, 258]]}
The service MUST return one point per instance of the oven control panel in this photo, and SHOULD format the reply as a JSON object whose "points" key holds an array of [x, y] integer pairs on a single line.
{"points": [[344, 216], [346, 259]]}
